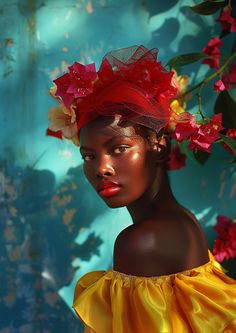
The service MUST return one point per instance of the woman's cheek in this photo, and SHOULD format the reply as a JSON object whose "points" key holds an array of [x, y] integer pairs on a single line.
{"points": [[88, 172], [135, 157]]}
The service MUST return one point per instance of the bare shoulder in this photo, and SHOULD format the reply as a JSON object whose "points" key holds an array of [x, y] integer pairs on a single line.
{"points": [[159, 247], [183, 241]]}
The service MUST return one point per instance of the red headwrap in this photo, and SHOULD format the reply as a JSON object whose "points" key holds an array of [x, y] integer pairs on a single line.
{"points": [[130, 82]]}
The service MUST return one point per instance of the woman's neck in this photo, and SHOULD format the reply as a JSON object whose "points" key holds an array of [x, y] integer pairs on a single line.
{"points": [[154, 201]]}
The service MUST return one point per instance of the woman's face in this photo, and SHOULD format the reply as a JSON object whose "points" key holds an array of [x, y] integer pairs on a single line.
{"points": [[118, 161]]}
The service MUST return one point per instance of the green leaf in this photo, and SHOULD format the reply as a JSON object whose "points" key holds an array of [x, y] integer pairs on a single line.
{"points": [[185, 150], [234, 160], [201, 156], [227, 106], [185, 59], [208, 7], [230, 142], [224, 33]]}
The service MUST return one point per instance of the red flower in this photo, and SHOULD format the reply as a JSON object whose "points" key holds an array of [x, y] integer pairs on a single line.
{"points": [[184, 129], [63, 83], [227, 81], [82, 78], [225, 244], [212, 50], [176, 159], [77, 83], [226, 20], [57, 134], [206, 134], [231, 133], [220, 85]]}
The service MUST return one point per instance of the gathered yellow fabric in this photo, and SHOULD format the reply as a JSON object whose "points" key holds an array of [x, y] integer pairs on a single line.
{"points": [[200, 300]]}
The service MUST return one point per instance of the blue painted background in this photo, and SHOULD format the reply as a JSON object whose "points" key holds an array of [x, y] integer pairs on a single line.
{"points": [[53, 226]]}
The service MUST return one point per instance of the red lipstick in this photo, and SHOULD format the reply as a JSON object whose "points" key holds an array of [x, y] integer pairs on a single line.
{"points": [[108, 189]]}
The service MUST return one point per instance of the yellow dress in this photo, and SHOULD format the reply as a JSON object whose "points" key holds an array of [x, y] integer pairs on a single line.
{"points": [[199, 300]]}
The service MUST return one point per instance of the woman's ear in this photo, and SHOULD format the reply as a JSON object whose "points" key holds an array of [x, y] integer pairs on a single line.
{"points": [[160, 148]]}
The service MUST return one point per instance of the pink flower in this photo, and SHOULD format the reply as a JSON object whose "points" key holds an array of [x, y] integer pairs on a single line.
{"points": [[225, 244], [227, 81], [226, 20], [75, 84], [212, 50], [185, 126], [219, 86], [222, 224], [206, 134], [176, 159]]}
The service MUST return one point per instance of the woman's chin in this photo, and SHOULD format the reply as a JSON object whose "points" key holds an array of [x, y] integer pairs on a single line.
{"points": [[114, 204], [115, 201]]}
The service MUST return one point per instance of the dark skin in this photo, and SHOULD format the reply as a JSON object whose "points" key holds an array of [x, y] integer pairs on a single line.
{"points": [[165, 238]]}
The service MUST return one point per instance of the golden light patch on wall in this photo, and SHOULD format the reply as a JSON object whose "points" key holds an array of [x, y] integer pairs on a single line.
{"points": [[13, 211], [62, 201], [14, 253], [51, 298], [68, 215], [9, 234], [10, 298]]}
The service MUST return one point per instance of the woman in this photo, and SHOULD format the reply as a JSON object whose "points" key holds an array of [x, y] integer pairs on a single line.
{"points": [[164, 279]]}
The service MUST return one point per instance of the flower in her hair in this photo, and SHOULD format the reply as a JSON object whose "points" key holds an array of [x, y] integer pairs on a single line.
{"points": [[213, 52], [176, 159], [226, 20], [227, 81], [176, 106], [77, 83], [55, 134], [180, 82], [63, 119], [133, 82], [207, 134], [52, 92], [225, 244]]}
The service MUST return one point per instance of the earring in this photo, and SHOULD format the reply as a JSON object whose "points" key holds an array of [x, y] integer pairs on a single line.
{"points": [[161, 154]]}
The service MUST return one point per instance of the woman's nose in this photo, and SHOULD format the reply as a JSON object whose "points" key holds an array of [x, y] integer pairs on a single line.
{"points": [[104, 167]]}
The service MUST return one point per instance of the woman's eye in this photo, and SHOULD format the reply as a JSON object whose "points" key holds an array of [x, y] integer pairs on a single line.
{"points": [[87, 157], [120, 149]]}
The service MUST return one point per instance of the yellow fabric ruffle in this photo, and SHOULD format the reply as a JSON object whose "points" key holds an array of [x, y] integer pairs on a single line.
{"points": [[200, 300]]}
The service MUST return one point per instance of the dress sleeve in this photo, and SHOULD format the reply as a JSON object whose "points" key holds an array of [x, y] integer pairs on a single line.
{"points": [[88, 329]]}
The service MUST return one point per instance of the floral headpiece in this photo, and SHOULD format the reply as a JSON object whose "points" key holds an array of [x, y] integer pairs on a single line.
{"points": [[133, 83]]}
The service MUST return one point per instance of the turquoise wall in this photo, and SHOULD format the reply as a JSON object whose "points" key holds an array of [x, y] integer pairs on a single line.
{"points": [[54, 227]]}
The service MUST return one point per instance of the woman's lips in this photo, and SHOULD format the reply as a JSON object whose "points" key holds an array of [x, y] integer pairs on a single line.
{"points": [[108, 189]]}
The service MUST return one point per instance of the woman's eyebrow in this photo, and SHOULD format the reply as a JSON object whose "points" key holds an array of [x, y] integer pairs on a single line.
{"points": [[118, 137], [84, 148], [109, 141]]}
